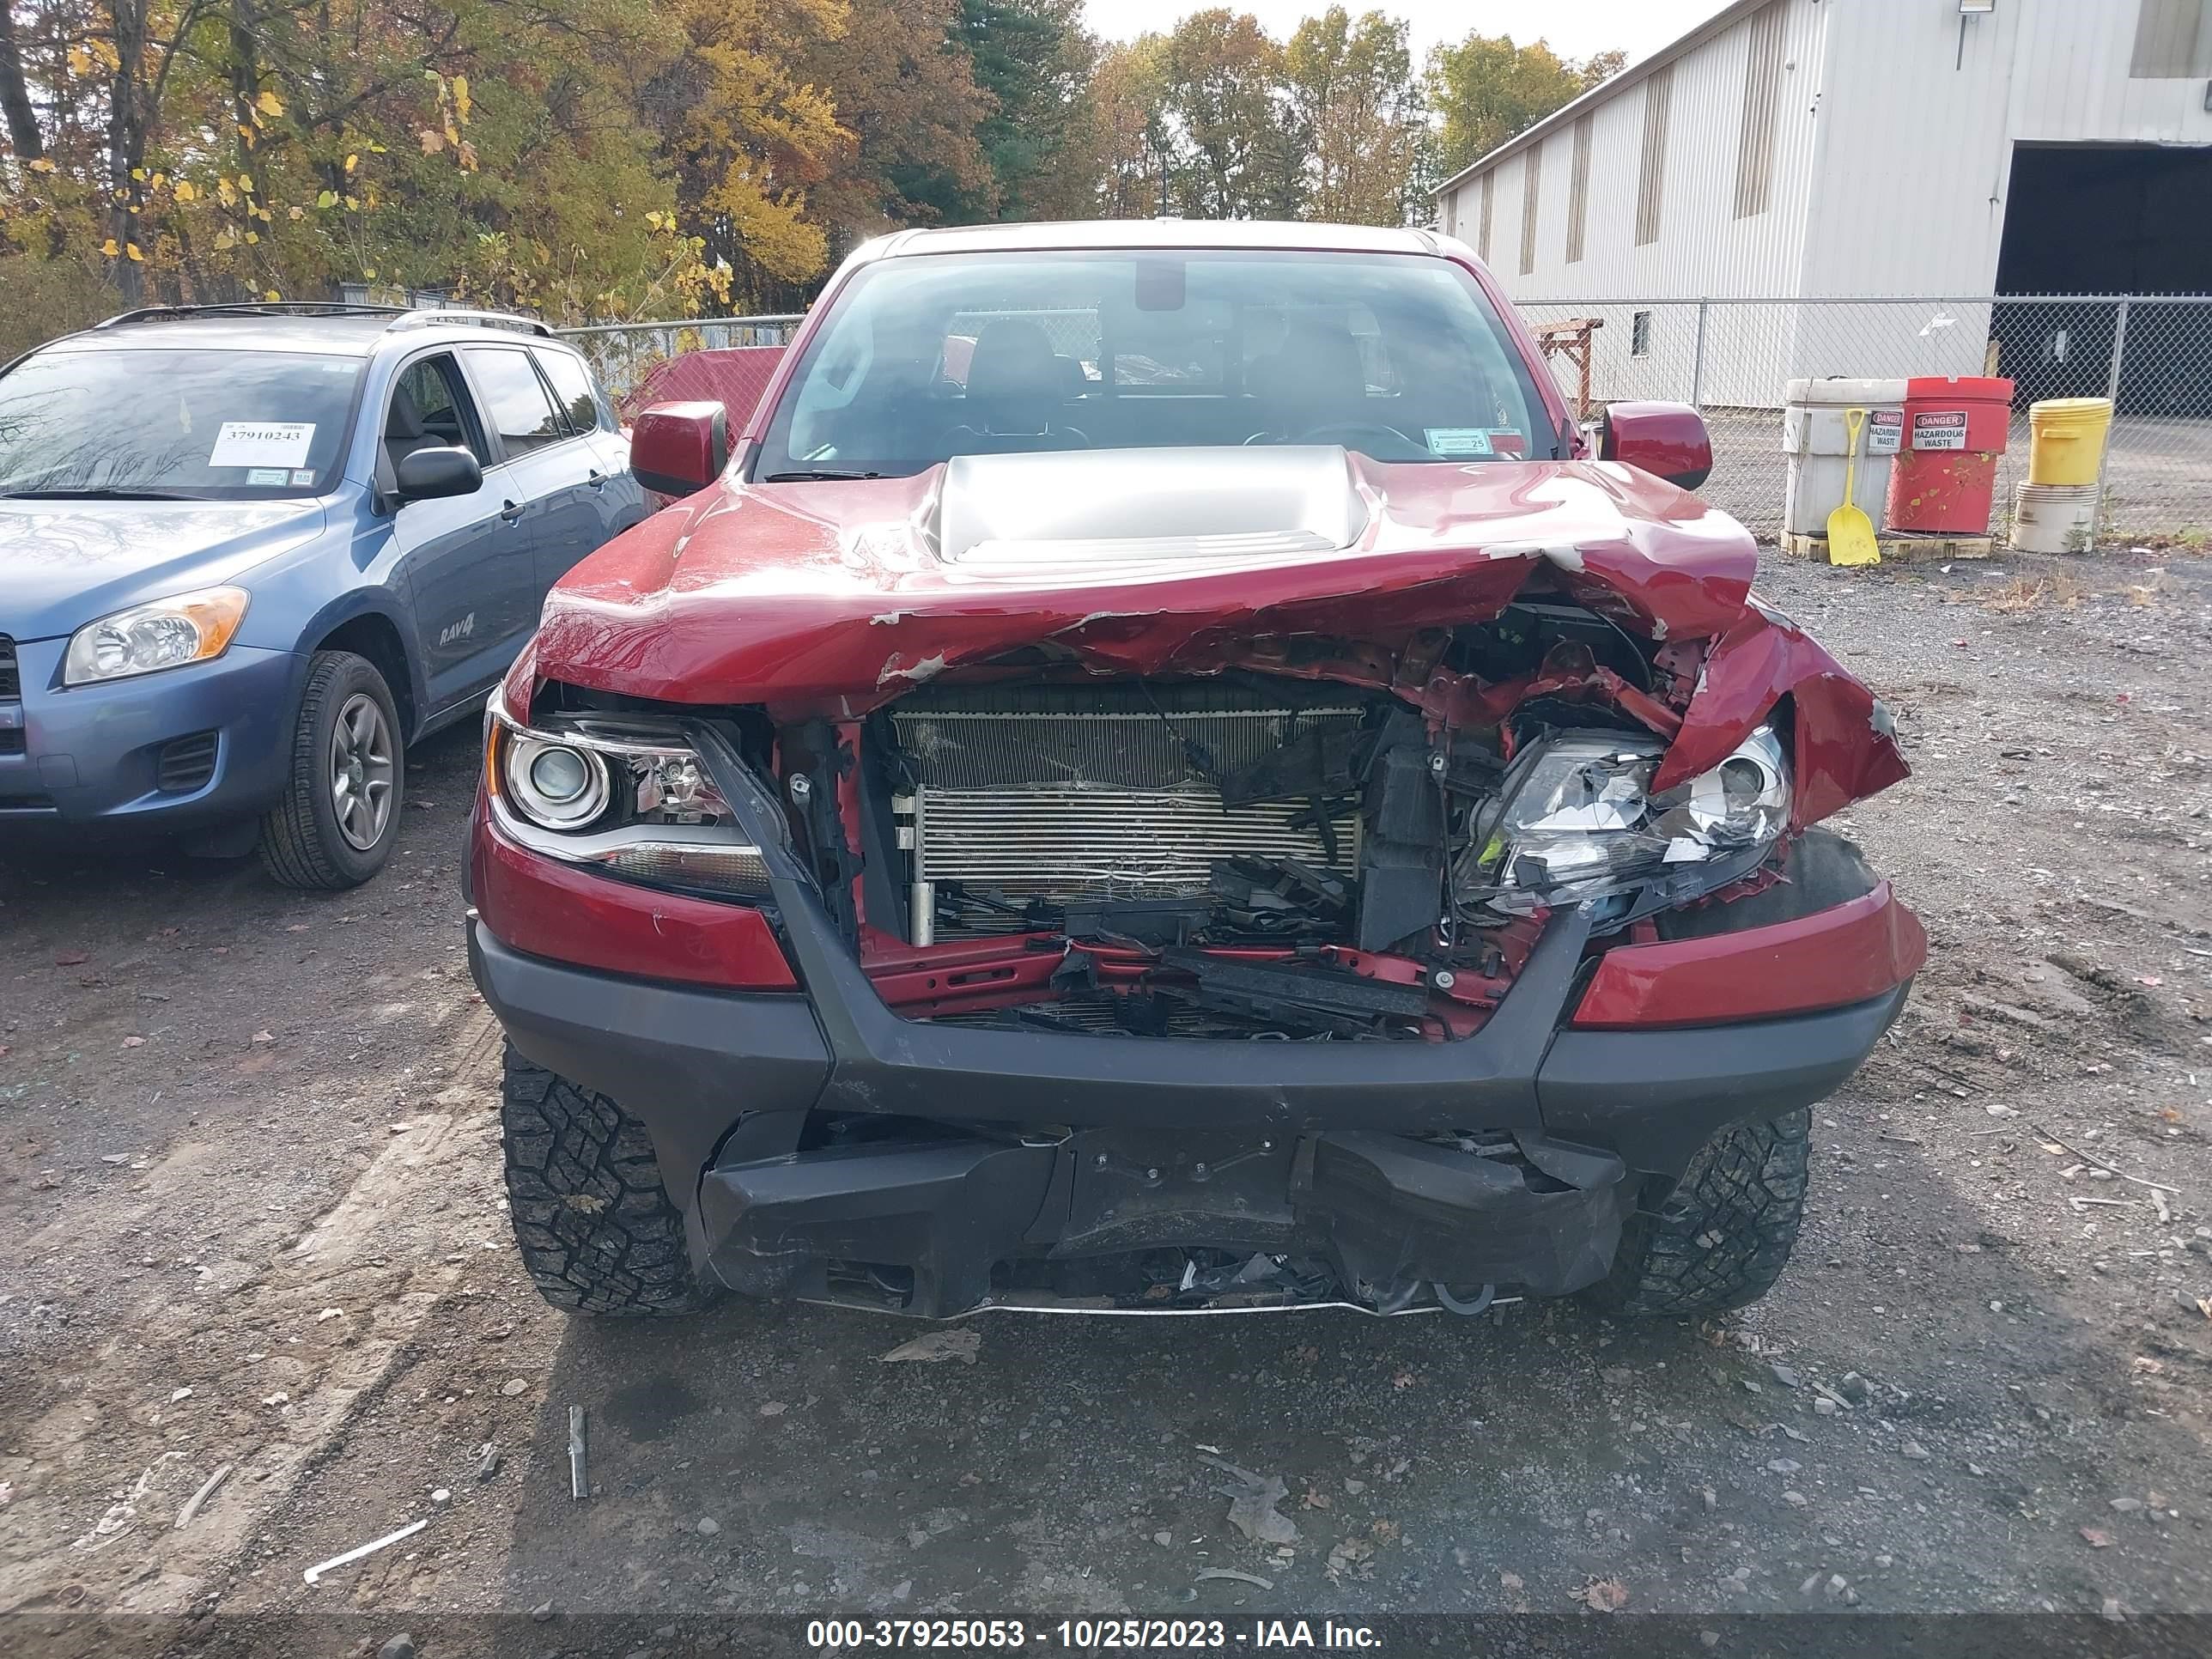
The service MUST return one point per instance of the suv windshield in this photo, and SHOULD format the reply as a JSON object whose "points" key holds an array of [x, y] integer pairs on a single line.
{"points": [[1398, 356], [203, 425]]}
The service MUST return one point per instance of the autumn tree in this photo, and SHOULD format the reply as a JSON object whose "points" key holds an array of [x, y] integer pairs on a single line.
{"points": [[1033, 60], [1360, 110], [1222, 88], [1127, 149], [1486, 89], [911, 110], [748, 133]]}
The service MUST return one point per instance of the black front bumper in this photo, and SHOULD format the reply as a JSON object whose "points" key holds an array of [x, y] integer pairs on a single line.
{"points": [[1072, 1145], [1508, 1158]]}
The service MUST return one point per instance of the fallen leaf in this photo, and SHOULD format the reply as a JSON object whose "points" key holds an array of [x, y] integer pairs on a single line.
{"points": [[264, 1036], [2098, 1540], [134, 1042], [1603, 1594], [71, 958], [1403, 1380]]}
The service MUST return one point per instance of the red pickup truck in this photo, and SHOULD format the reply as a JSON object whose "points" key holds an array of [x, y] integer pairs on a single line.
{"points": [[1159, 770]]}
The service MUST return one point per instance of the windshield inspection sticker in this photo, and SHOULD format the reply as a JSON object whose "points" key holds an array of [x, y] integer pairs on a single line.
{"points": [[1455, 440], [262, 443]]}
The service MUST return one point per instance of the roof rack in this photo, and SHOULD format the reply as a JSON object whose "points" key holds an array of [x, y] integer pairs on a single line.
{"points": [[252, 308], [433, 316]]}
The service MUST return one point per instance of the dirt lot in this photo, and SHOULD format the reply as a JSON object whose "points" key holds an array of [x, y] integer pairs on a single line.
{"points": [[251, 1189]]}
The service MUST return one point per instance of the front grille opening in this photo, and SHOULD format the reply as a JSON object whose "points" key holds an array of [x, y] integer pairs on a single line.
{"points": [[185, 763], [1025, 806], [1160, 1013]]}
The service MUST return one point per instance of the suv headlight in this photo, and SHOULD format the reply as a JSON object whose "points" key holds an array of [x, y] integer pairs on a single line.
{"points": [[630, 802], [164, 634], [1575, 820]]}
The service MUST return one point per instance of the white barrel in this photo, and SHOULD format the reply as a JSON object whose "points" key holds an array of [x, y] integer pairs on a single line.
{"points": [[1815, 437], [2054, 518]]}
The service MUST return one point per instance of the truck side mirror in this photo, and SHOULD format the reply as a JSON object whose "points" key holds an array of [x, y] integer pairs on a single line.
{"points": [[1669, 440], [679, 448]]}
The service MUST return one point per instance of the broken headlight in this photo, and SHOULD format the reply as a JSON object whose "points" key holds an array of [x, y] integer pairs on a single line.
{"points": [[1575, 820], [628, 801]]}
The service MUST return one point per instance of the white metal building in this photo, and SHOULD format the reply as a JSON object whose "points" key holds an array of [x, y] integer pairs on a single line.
{"points": [[1802, 149]]}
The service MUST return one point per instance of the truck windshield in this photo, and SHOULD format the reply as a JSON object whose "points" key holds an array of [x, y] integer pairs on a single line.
{"points": [[1399, 357], [200, 425]]}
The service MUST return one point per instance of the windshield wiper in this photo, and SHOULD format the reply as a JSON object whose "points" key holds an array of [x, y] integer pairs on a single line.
{"points": [[818, 475], [101, 493]]}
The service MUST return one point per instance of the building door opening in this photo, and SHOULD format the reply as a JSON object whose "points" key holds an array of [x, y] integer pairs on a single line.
{"points": [[2113, 219]]}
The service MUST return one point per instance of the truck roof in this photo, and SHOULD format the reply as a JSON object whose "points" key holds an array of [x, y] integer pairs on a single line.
{"points": [[1118, 234]]}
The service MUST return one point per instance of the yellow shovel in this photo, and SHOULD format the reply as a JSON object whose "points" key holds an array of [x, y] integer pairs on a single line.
{"points": [[1851, 533]]}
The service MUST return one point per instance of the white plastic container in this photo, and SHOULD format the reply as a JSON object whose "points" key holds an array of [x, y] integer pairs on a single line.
{"points": [[1814, 436], [2054, 518]]}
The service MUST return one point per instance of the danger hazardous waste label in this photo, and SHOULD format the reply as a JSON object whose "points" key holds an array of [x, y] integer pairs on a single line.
{"points": [[1944, 429]]}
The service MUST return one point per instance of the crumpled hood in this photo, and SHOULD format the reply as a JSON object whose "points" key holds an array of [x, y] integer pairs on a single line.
{"points": [[832, 598], [63, 563]]}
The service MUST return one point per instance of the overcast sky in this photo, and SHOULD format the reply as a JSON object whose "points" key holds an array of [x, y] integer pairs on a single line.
{"points": [[1576, 28]]}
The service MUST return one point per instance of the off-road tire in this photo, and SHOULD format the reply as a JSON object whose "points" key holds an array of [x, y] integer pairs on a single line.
{"points": [[300, 845], [594, 1223], [1722, 1235]]}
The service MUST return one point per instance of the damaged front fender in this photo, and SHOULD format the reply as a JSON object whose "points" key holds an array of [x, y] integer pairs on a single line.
{"points": [[1843, 742]]}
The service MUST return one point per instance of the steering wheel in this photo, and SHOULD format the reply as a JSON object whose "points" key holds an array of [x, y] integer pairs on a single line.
{"points": [[1410, 450]]}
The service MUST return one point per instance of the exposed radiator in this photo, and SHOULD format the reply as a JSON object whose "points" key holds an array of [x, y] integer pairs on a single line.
{"points": [[1098, 792]]}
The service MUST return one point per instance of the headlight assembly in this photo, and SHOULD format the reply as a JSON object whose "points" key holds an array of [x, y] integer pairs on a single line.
{"points": [[556, 785], [634, 804], [1575, 820], [165, 634]]}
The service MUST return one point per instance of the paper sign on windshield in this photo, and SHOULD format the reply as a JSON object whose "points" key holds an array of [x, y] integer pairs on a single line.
{"points": [[262, 443]]}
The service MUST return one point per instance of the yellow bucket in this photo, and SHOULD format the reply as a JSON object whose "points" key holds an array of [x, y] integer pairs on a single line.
{"points": [[2066, 440]]}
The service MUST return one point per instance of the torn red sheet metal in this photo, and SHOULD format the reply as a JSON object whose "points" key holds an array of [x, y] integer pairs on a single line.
{"points": [[1843, 742], [828, 598]]}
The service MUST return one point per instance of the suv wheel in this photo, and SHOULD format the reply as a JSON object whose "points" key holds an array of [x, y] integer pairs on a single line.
{"points": [[596, 1228], [1722, 1235], [339, 815]]}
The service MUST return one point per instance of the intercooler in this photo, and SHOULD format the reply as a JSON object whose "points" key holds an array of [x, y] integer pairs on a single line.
{"points": [[1108, 791]]}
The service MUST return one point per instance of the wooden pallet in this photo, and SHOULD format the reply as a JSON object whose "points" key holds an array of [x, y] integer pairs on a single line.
{"points": [[1898, 549]]}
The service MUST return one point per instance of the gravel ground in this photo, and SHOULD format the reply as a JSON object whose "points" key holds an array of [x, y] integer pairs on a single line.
{"points": [[250, 1183]]}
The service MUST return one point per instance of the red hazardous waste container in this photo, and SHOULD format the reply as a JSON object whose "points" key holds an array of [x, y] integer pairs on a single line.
{"points": [[1955, 427]]}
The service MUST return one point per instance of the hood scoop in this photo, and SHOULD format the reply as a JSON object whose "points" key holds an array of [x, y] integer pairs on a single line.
{"points": [[1094, 507]]}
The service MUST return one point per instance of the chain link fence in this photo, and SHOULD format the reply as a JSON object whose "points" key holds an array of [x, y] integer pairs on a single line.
{"points": [[1732, 359], [623, 353]]}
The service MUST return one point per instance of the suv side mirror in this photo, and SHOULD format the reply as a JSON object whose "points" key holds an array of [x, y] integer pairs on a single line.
{"points": [[446, 470], [1666, 439], [676, 449]]}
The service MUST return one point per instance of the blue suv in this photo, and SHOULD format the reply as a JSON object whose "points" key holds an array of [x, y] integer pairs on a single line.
{"points": [[249, 553]]}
